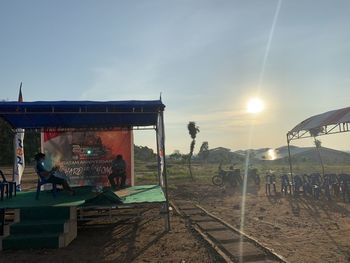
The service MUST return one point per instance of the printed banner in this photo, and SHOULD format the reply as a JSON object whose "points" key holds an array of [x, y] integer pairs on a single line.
{"points": [[160, 145], [86, 157], [18, 145], [19, 156]]}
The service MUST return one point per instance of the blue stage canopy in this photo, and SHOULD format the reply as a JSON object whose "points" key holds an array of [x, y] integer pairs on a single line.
{"points": [[80, 114]]}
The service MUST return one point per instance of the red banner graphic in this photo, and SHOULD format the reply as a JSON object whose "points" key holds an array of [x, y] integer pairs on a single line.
{"points": [[86, 157]]}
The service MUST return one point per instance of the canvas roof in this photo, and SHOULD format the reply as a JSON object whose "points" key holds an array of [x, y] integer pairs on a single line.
{"points": [[333, 117], [80, 114]]}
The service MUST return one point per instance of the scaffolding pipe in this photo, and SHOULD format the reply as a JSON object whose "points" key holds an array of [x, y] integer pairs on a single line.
{"points": [[290, 161]]}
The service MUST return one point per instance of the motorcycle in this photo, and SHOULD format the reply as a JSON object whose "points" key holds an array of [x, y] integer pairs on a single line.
{"points": [[231, 177]]}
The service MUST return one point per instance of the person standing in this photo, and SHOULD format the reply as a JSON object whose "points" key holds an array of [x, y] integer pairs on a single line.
{"points": [[118, 172]]}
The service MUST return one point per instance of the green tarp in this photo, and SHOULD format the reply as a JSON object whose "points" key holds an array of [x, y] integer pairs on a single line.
{"points": [[142, 194], [86, 197]]}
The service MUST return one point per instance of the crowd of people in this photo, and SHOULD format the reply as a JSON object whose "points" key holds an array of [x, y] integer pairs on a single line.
{"points": [[314, 184]]}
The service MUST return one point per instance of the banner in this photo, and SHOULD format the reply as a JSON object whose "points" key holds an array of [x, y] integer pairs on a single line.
{"points": [[160, 149], [19, 156], [86, 157], [19, 164]]}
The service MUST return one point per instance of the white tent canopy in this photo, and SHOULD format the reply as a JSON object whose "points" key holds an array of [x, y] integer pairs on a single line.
{"points": [[331, 122], [326, 123]]}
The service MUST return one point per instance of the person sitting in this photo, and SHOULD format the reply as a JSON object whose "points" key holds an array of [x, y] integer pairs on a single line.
{"points": [[51, 176], [118, 172]]}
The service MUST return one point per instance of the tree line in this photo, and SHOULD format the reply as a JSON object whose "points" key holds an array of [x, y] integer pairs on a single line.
{"points": [[142, 153], [31, 144]]}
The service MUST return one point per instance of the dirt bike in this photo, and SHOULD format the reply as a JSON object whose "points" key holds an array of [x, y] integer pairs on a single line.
{"points": [[232, 177]]}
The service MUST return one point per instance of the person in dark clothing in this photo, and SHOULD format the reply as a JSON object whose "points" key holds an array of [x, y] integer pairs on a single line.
{"points": [[307, 188], [315, 180], [273, 182], [51, 176], [306, 184], [327, 186], [285, 185], [334, 180], [270, 179], [267, 184], [118, 172], [344, 180], [298, 182]]}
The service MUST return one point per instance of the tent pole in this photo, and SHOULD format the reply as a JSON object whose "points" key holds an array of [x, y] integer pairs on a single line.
{"points": [[158, 158], [164, 179], [290, 160], [14, 156], [317, 146]]}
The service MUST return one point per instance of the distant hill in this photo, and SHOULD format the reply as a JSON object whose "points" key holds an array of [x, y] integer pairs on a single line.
{"points": [[329, 156], [299, 154], [225, 155], [283, 151], [265, 155]]}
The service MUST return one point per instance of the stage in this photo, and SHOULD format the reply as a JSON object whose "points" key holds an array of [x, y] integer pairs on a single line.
{"points": [[85, 196]]}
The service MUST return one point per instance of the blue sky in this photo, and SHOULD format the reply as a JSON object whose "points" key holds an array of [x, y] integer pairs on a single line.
{"points": [[205, 57]]}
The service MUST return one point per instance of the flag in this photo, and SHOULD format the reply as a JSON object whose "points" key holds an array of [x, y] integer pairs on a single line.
{"points": [[19, 163], [20, 98]]}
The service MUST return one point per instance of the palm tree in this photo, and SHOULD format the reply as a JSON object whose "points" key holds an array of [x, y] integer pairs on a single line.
{"points": [[192, 130], [203, 153], [318, 143]]}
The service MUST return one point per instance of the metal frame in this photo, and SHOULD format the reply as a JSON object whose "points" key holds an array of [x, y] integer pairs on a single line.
{"points": [[2, 221], [164, 183], [326, 130], [133, 128], [61, 109], [22, 110]]}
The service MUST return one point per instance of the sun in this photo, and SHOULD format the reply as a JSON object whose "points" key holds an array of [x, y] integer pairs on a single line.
{"points": [[255, 105]]}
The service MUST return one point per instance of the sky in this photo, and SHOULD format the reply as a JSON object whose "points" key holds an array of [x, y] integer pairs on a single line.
{"points": [[205, 58]]}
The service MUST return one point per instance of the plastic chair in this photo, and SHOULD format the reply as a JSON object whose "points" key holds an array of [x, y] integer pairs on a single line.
{"points": [[2, 220], [2, 190], [10, 187], [42, 181]]}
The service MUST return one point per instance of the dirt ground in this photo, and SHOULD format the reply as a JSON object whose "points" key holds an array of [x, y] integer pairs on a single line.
{"points": [[135, 240], [122, 239], [299, 229]]}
